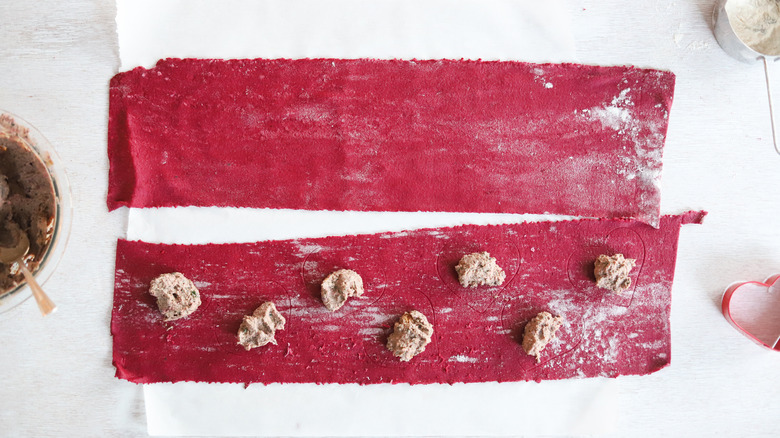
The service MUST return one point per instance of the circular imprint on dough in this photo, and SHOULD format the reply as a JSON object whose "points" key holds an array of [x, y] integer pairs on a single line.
{"points": [[215, 326], [319, 264], [518, 311], [380, 324], [481, 298], [581, 264]]}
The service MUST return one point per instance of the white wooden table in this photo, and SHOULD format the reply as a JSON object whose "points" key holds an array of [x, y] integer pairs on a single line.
{"points": [[57, 379]]}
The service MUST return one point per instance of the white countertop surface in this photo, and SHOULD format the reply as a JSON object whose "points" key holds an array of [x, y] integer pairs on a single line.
{"points": [[55, 62]]}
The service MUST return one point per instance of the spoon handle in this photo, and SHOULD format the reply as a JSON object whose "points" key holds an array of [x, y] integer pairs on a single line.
{"points": [[771, 109], [45, 304]]}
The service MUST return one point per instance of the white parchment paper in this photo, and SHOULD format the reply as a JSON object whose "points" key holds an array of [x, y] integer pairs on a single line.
{"points": [[474, 29], [481, 409], [492, 29]]}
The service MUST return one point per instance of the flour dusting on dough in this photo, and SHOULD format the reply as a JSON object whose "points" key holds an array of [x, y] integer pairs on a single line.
{"points": [[646, 136], [463, 359]]}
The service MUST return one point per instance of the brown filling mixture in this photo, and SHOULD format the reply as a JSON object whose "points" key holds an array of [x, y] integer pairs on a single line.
{"points": [[260, 327], [479, 269], [339, 286], [26, 199], [539, 332], [177, 296], [411, 333], [612, 272]]}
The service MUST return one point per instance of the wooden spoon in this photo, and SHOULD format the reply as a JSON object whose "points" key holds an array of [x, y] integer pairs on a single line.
{"points": [[16, 254]]}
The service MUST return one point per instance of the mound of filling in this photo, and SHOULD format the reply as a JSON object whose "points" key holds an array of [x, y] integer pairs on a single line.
{"points": [[260, 327], [612, 272], [411, 333], [479, 269], [177, 296], [539, 332], [339, 286]]}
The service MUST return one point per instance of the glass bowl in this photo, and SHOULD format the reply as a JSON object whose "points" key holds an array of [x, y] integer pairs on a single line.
{"points": [[63, 215]]}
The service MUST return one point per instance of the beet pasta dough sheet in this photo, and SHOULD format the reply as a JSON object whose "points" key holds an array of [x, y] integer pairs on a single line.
{"points": [[390, 135], [549, 267]]}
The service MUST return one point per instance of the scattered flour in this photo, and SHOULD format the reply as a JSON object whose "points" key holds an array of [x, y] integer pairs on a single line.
{"points": [[305, 249], [644, 133], [463, 359]]}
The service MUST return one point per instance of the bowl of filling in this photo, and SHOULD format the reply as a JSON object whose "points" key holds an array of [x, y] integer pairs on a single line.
{"points": [[34, 196]]}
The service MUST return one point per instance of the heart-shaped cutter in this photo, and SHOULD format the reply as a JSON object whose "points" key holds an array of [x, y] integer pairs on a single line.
{"points": [[765, 328]]}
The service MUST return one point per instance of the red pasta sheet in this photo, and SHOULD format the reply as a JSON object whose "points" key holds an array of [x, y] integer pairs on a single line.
{"points": [[477, 332], [374, 135]]}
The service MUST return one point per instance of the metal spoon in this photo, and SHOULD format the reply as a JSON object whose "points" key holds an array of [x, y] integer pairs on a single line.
{"points": [[16, 254]]}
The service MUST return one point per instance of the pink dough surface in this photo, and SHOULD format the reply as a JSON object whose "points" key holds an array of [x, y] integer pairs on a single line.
{"points": [[390, 135], [477, 332]]}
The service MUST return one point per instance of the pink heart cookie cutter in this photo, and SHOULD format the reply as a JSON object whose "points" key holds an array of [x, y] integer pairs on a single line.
{"points": [[753, 308]]}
